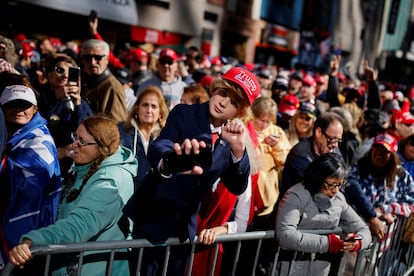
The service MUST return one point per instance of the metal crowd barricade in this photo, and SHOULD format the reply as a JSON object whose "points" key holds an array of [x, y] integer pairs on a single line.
{"points": [[390, 256], [393, 261]]}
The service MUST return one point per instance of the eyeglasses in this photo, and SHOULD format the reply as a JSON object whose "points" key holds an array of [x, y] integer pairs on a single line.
{"points": [[331, 140], [59, 70], [90, 57], [80, 142], [166, 61], [334, 185]]}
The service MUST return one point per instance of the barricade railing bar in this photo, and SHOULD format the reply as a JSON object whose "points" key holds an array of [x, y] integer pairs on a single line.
{"points": [[389, 257]]}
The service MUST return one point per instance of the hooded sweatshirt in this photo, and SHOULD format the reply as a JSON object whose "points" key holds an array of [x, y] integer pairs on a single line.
{"points": [[95, 213]]}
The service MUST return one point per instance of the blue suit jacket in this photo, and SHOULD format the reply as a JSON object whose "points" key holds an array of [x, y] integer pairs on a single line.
{"points": [[167, 207]]}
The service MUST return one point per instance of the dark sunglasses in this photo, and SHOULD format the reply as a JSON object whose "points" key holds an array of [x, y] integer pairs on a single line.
{"points": [[306, 118], [59, 70], [90, 57], [166, 61]]}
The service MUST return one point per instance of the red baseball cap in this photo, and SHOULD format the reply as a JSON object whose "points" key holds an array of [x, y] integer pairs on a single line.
{"points": [[405, 118], [216, 61], [206, 80], [246, 80], [249, 66], [167, 52], [320, 79], [20, 37], [308, 80], [137, 54], [388, 141], [341, 77], [27, 50], [289, 104]]}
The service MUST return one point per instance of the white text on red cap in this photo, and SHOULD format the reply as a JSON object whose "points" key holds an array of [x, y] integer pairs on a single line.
{"points": [[247, 81]]}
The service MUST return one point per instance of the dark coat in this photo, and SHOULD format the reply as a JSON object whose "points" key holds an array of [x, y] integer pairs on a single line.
{"points": [[167, 206]]}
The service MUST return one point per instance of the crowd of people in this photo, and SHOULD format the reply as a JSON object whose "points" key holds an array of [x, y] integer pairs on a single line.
{"points": [[103, 144]]}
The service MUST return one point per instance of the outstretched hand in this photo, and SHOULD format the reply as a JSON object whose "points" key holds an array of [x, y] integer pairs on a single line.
{"points": [[369, 72], [93, 26], [334, 65]]}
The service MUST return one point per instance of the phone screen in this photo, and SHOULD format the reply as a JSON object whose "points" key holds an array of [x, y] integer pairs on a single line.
{"points": [[73, 75], [174, 163]]}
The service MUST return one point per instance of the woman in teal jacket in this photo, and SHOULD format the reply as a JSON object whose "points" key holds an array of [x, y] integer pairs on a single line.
{"points": [[91, 207]]}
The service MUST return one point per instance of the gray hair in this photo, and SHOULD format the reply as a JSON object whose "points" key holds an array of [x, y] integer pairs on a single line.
{"points": [[95, 43]]}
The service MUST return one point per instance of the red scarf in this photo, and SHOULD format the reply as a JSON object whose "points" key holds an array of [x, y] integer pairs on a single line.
{"points": [[216, 209]]}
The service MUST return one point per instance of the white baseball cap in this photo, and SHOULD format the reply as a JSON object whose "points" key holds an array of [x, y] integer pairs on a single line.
{"points": [[18, 92]]}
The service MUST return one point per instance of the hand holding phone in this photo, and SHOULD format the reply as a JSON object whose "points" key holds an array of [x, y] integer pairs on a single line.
{"points": [[93, 15], [354, 238], [174, 163]]}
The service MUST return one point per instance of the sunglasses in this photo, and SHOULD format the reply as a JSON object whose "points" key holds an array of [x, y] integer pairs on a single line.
{"points": [[306, 118], [59, 70], [95, 57], [166, 61]]}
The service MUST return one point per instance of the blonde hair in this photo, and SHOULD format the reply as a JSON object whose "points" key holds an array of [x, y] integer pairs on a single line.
{"points": [[150, 90], [292, 133], [264, 106], [236, 93], [356, 113], [254, 159], [197, 93]]}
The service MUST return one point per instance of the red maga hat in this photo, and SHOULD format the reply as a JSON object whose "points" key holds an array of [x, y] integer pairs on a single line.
{"points": [[246, 80], [167, 52], [388, 141]]}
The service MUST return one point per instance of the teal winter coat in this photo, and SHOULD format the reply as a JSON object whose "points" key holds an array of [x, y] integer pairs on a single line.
{"points": [[94, 214]]}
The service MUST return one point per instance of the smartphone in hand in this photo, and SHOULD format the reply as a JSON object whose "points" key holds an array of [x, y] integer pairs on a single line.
{"points": [[73, 74], [354, 238], [93, 15], [174, 163]]}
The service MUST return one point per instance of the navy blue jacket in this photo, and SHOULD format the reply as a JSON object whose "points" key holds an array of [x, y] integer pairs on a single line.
{"points": [[3, 133], [127, 140], [167, 207]]}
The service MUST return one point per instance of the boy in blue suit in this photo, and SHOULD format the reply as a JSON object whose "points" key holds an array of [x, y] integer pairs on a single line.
{"points": [[167, 205]]}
